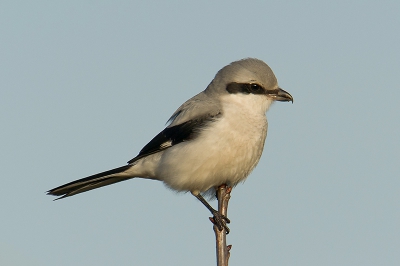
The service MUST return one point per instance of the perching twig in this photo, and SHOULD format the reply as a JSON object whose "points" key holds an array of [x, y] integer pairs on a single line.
{"points": [[223, 194]]}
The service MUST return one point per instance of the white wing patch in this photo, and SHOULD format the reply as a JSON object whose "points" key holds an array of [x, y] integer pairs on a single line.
{"points": [[166, 144]]}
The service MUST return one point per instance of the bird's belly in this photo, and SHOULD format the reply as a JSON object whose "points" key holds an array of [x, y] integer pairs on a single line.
{"points": [[223, 155]]}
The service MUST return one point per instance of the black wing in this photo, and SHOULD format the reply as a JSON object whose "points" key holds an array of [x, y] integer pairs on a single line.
{"points": [[171, 136]]}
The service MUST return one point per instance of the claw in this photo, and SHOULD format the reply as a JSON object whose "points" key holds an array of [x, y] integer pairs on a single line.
{"points": [[218, 219], [220, 222]]}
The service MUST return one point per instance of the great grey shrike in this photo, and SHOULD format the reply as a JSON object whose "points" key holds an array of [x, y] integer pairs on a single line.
{"points": [[214, 138]]}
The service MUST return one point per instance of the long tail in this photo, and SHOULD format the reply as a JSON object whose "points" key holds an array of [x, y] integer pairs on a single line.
{"points": [[91, 182]]}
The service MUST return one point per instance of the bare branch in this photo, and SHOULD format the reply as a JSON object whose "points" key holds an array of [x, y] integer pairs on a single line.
{"points": [[223, 194]]}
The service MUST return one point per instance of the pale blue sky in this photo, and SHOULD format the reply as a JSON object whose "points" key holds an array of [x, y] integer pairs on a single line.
{"points": [[86, 84]]}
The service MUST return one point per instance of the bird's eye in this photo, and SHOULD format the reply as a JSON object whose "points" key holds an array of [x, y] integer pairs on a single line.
{"points": [[255, 88]]}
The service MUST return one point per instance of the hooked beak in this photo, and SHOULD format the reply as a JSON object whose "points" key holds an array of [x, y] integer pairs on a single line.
{"points": [[281, 95]]}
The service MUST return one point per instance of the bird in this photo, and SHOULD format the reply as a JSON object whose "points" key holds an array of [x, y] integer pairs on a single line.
{"points": [[215, 138]]}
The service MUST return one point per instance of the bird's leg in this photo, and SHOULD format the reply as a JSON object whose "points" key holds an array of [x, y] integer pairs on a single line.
{"points": [[218, 219]]}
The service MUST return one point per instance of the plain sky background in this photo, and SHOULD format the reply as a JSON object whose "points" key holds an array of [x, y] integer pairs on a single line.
{"points": [[84, 85]]}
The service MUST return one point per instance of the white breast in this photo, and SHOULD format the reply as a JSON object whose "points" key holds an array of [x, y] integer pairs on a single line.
{"points": [[224, 153]]}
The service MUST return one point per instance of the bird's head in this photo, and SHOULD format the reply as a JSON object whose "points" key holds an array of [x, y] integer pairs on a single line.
{"points": [[250, 78]]}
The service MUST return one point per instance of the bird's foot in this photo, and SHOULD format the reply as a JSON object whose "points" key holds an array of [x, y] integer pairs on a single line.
{"points": [[220, 221]]}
